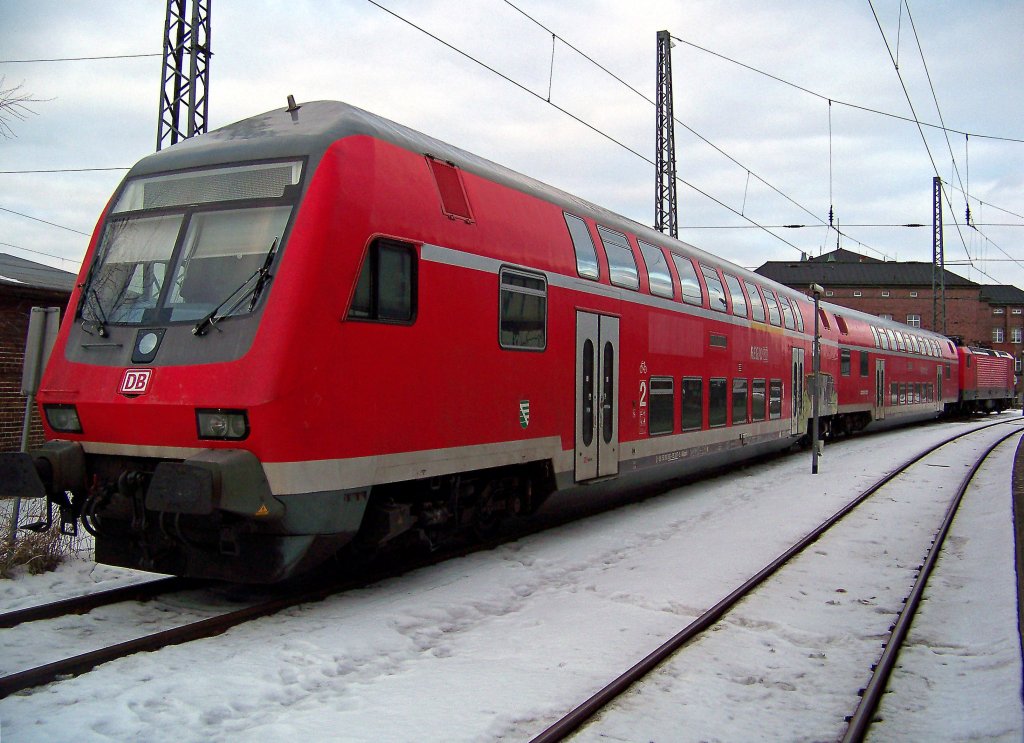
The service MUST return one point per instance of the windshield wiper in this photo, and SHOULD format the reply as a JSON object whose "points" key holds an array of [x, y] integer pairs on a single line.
{"points": [[101, 321], [261, 275]]}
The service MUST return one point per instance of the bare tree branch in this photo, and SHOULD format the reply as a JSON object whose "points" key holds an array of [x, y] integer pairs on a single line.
{"points": [[14, 107]]}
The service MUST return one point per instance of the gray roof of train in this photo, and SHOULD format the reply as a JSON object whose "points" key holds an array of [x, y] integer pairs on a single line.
{"points": [[316, 125]]}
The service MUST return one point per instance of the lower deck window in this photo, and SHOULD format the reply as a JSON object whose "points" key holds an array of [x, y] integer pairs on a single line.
{"points": [[693, 403], [775, 399], [739, 401], [662, 406], [757, 400], [718, 401], [523, 310]]}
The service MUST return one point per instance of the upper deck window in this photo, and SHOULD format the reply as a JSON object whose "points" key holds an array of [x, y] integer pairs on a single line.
{"points": [[688, 281], [658, 276], [739, 302], [787, 312], [260, 181], [774, 316], [756, 303], [716, 292], [621, 263], [583, 244]]}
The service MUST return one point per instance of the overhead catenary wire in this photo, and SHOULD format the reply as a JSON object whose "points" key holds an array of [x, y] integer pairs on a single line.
{"points": [[924, 140], [920, 129], [37, 219], [571, 115]]}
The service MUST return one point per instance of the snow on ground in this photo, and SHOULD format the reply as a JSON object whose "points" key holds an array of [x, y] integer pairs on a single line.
{"points": [[497, 645]]}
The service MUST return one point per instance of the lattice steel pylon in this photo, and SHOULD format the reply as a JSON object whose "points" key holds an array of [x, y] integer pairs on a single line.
{"points": [[665, 210], [938, 261], [185, 77]]}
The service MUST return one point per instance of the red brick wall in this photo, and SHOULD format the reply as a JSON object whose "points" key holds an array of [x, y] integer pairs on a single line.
{"points": [[15, 309]]}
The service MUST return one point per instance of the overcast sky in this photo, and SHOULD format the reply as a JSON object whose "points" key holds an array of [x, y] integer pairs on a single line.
{"points": [[103, 113]]}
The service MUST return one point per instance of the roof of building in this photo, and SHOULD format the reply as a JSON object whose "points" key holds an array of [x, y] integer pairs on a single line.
{"points": [[1002, 294], [841, 255], [18, 272], [868, 273]]}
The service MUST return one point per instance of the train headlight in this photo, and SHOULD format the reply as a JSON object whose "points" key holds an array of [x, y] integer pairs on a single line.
{"points": [[228, 425], [63, 418]]}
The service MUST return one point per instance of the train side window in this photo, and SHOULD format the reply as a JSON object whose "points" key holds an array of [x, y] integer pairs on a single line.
{"points": [[824, 319], [386, 290], [716, 292], [693, 403], [864, 363], [718, 402], [523, 305], [787, 313], [757, 400], [583, 244], [739, 400], [899, 342], [841, 322], [775, 399], [892, 339], [621, 262], [658, 276], [874, 334], [662, 406], [688, 281], [739, 302], [894, 392], [774, 316], [756, 303], [799, 315], [844, 362]]}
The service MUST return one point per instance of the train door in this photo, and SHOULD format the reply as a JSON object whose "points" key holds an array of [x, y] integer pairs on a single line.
{"points": [[796, 421], [938, 388], [597, 395], [879, 408]]}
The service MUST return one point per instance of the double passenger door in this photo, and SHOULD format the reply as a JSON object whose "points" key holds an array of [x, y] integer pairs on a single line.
{"points": [[597, 395]]}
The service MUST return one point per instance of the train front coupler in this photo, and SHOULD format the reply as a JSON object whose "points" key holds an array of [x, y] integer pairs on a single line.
{"points": [[55, 471]]}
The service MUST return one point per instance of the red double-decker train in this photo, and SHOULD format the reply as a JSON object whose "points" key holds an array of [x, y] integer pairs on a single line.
{"points": [[316, 327]]}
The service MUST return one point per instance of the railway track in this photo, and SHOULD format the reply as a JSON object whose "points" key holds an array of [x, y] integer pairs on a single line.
{"points": [[857, 723], [314, 589]]}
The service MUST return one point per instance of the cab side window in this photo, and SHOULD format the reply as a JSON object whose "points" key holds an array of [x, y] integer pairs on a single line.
{"points": [[386, 290]]}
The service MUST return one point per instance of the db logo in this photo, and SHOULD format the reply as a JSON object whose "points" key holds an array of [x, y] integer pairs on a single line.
{"points": [[135, 382]]}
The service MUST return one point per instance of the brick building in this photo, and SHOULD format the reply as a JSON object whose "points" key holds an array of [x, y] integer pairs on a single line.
{"points": [[23, 285], [980, 315]]}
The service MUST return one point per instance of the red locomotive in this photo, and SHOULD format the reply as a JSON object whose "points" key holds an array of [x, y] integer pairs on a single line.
{"points": [[317, 327], [986, 379]]}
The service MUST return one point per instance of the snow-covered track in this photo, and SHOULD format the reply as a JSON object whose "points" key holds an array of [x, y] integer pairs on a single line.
{"points": [[860, 721], [87, 602], [583, 713]]}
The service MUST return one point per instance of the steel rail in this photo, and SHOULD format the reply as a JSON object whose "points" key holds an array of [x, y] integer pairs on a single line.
{"points": [[871, 697], [87, 602], [576, 718]]}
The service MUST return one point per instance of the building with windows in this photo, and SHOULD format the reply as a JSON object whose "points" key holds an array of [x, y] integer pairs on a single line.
{"points": [[23, 285], [985, 315]]}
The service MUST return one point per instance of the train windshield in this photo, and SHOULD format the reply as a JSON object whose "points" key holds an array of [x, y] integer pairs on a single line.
{"points": [[176, 246]]}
